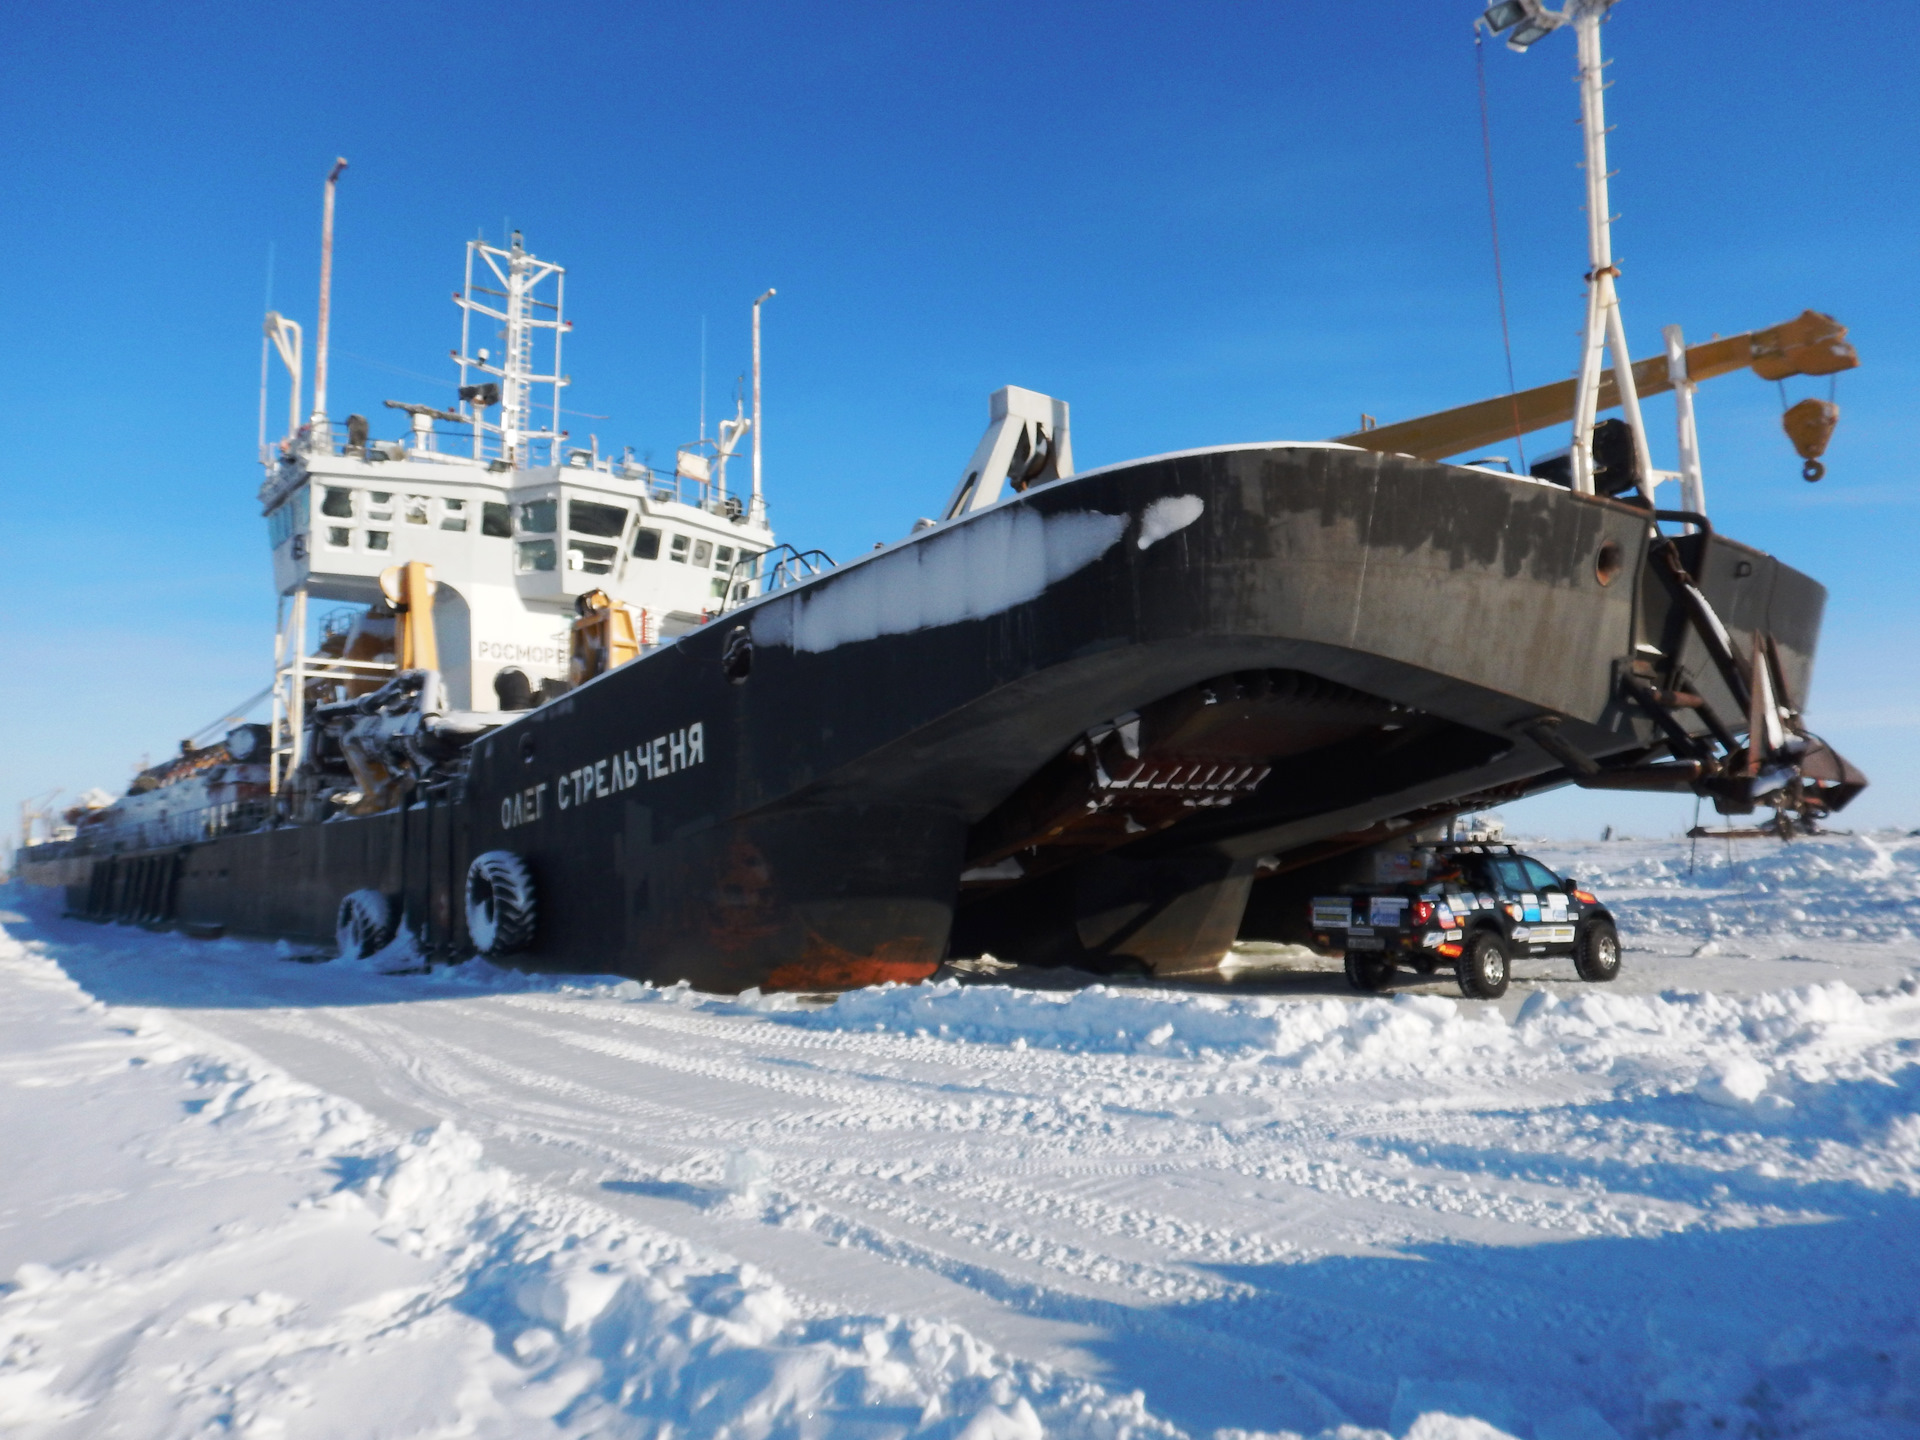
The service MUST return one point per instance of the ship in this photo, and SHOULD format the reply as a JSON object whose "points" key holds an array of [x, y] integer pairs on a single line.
{"points": [[572, 712]]}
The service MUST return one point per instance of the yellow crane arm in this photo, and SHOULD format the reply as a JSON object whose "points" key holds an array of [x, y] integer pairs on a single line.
{"points": [[1811, 344]]}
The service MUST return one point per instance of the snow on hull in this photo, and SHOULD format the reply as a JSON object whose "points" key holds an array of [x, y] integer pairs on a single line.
{"points": [[256, 1197]]}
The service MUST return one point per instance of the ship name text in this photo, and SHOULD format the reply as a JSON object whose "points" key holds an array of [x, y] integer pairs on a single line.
{"points": [[664, 755]]}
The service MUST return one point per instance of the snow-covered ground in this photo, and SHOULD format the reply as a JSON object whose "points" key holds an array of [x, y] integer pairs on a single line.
{"points": [[242, 1196]]}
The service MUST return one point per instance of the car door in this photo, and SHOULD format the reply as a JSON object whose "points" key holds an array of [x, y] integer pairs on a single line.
{"points": [[1556, 924], [1519, 899]]}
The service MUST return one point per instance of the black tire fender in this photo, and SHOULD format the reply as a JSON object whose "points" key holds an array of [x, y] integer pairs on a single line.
{"points": [[364, 925], [501, 907]]}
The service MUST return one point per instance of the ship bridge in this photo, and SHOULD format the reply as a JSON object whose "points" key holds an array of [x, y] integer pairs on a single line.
{"points": [[516, 522]]}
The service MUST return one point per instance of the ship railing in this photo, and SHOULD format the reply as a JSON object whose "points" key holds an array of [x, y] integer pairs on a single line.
{"points": [[776, 569], [663, 487], [207, 822]]}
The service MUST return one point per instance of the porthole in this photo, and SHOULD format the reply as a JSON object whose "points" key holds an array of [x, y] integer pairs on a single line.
{"points": [[1609, 562]]}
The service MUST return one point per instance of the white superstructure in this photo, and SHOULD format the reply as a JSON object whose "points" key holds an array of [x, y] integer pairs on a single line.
{"points": [[514, 520]]}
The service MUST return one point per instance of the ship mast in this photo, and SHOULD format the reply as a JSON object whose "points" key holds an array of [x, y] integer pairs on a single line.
{"points": [[1604, 330], [319, 420], [523, 315]]}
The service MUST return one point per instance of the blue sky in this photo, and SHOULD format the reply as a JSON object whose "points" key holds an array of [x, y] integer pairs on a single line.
{"points": [[1198, 224]]}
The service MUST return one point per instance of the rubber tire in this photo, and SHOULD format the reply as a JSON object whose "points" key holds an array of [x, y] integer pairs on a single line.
{"points": [[364, 925], [1369, 970], [1596, 954], [501, 912], [1483, 968]]}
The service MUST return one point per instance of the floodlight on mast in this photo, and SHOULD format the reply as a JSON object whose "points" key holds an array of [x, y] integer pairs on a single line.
{"points": [[1530, 21]]}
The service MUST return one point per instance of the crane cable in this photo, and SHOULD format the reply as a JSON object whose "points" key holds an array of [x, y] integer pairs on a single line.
{"points": [[1493, 222]]}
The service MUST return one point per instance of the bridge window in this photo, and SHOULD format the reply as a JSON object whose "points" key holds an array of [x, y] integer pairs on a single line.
{"points": [[678, 550], [340, 537], [417, 509], [377, 539], [589, 558], [646, 544], [535, 555], [589, 518], [380, 505], [539, 517], [337, 503], [495, 519], [723, 558], [453, 514]]}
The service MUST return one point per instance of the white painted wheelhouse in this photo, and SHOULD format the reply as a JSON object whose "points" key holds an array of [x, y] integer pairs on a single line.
{"points": [[516, 521]]}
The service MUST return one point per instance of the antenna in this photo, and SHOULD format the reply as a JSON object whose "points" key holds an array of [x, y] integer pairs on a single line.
{"points": [[265, 341], [1531, 21], [703, 377], [326, 302]]}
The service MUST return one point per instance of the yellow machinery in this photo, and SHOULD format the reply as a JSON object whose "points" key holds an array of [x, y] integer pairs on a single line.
{"points": [[604, 636], [1811, 344]]}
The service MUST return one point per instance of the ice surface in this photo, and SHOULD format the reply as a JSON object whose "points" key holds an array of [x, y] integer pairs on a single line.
{"points": [[251, 1197]]}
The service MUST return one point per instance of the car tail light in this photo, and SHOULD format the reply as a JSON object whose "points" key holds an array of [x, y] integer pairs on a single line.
{"points": [[1422, 912], [1452, 952], [1585, 898]]}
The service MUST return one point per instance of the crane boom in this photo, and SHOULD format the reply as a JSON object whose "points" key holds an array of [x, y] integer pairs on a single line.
{"points": [[1810, 344]]}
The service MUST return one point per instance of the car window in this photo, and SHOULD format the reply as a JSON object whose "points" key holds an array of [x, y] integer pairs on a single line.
{"points": [[1510, 876], [1542, 878]]}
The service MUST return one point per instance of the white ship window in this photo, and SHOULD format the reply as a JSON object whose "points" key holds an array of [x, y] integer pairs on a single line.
{"points": [[538, 517], [377, 539], [749, 562], [495, 519], [535, 555], [337, 503], [340, 537], [589, 558], [417, 509], [453, 514], [741, 590], [646, 544], [678, 550], [380, 505], [723, 558], [702, 552], [588, 518], [719, 589]]}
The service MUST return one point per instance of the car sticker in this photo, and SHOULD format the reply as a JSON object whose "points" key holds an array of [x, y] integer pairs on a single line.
{"points": [[1332, 914], [1387, 910]]}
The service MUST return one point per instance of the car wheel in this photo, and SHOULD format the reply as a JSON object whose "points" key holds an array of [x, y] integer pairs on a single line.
{"points": [[1482, 967], [500, 904], [1596, 955], [364, 924], [1369, 970]]}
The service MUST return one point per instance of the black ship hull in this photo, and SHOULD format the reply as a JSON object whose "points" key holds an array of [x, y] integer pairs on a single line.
{"points": [[1085, 726]]}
